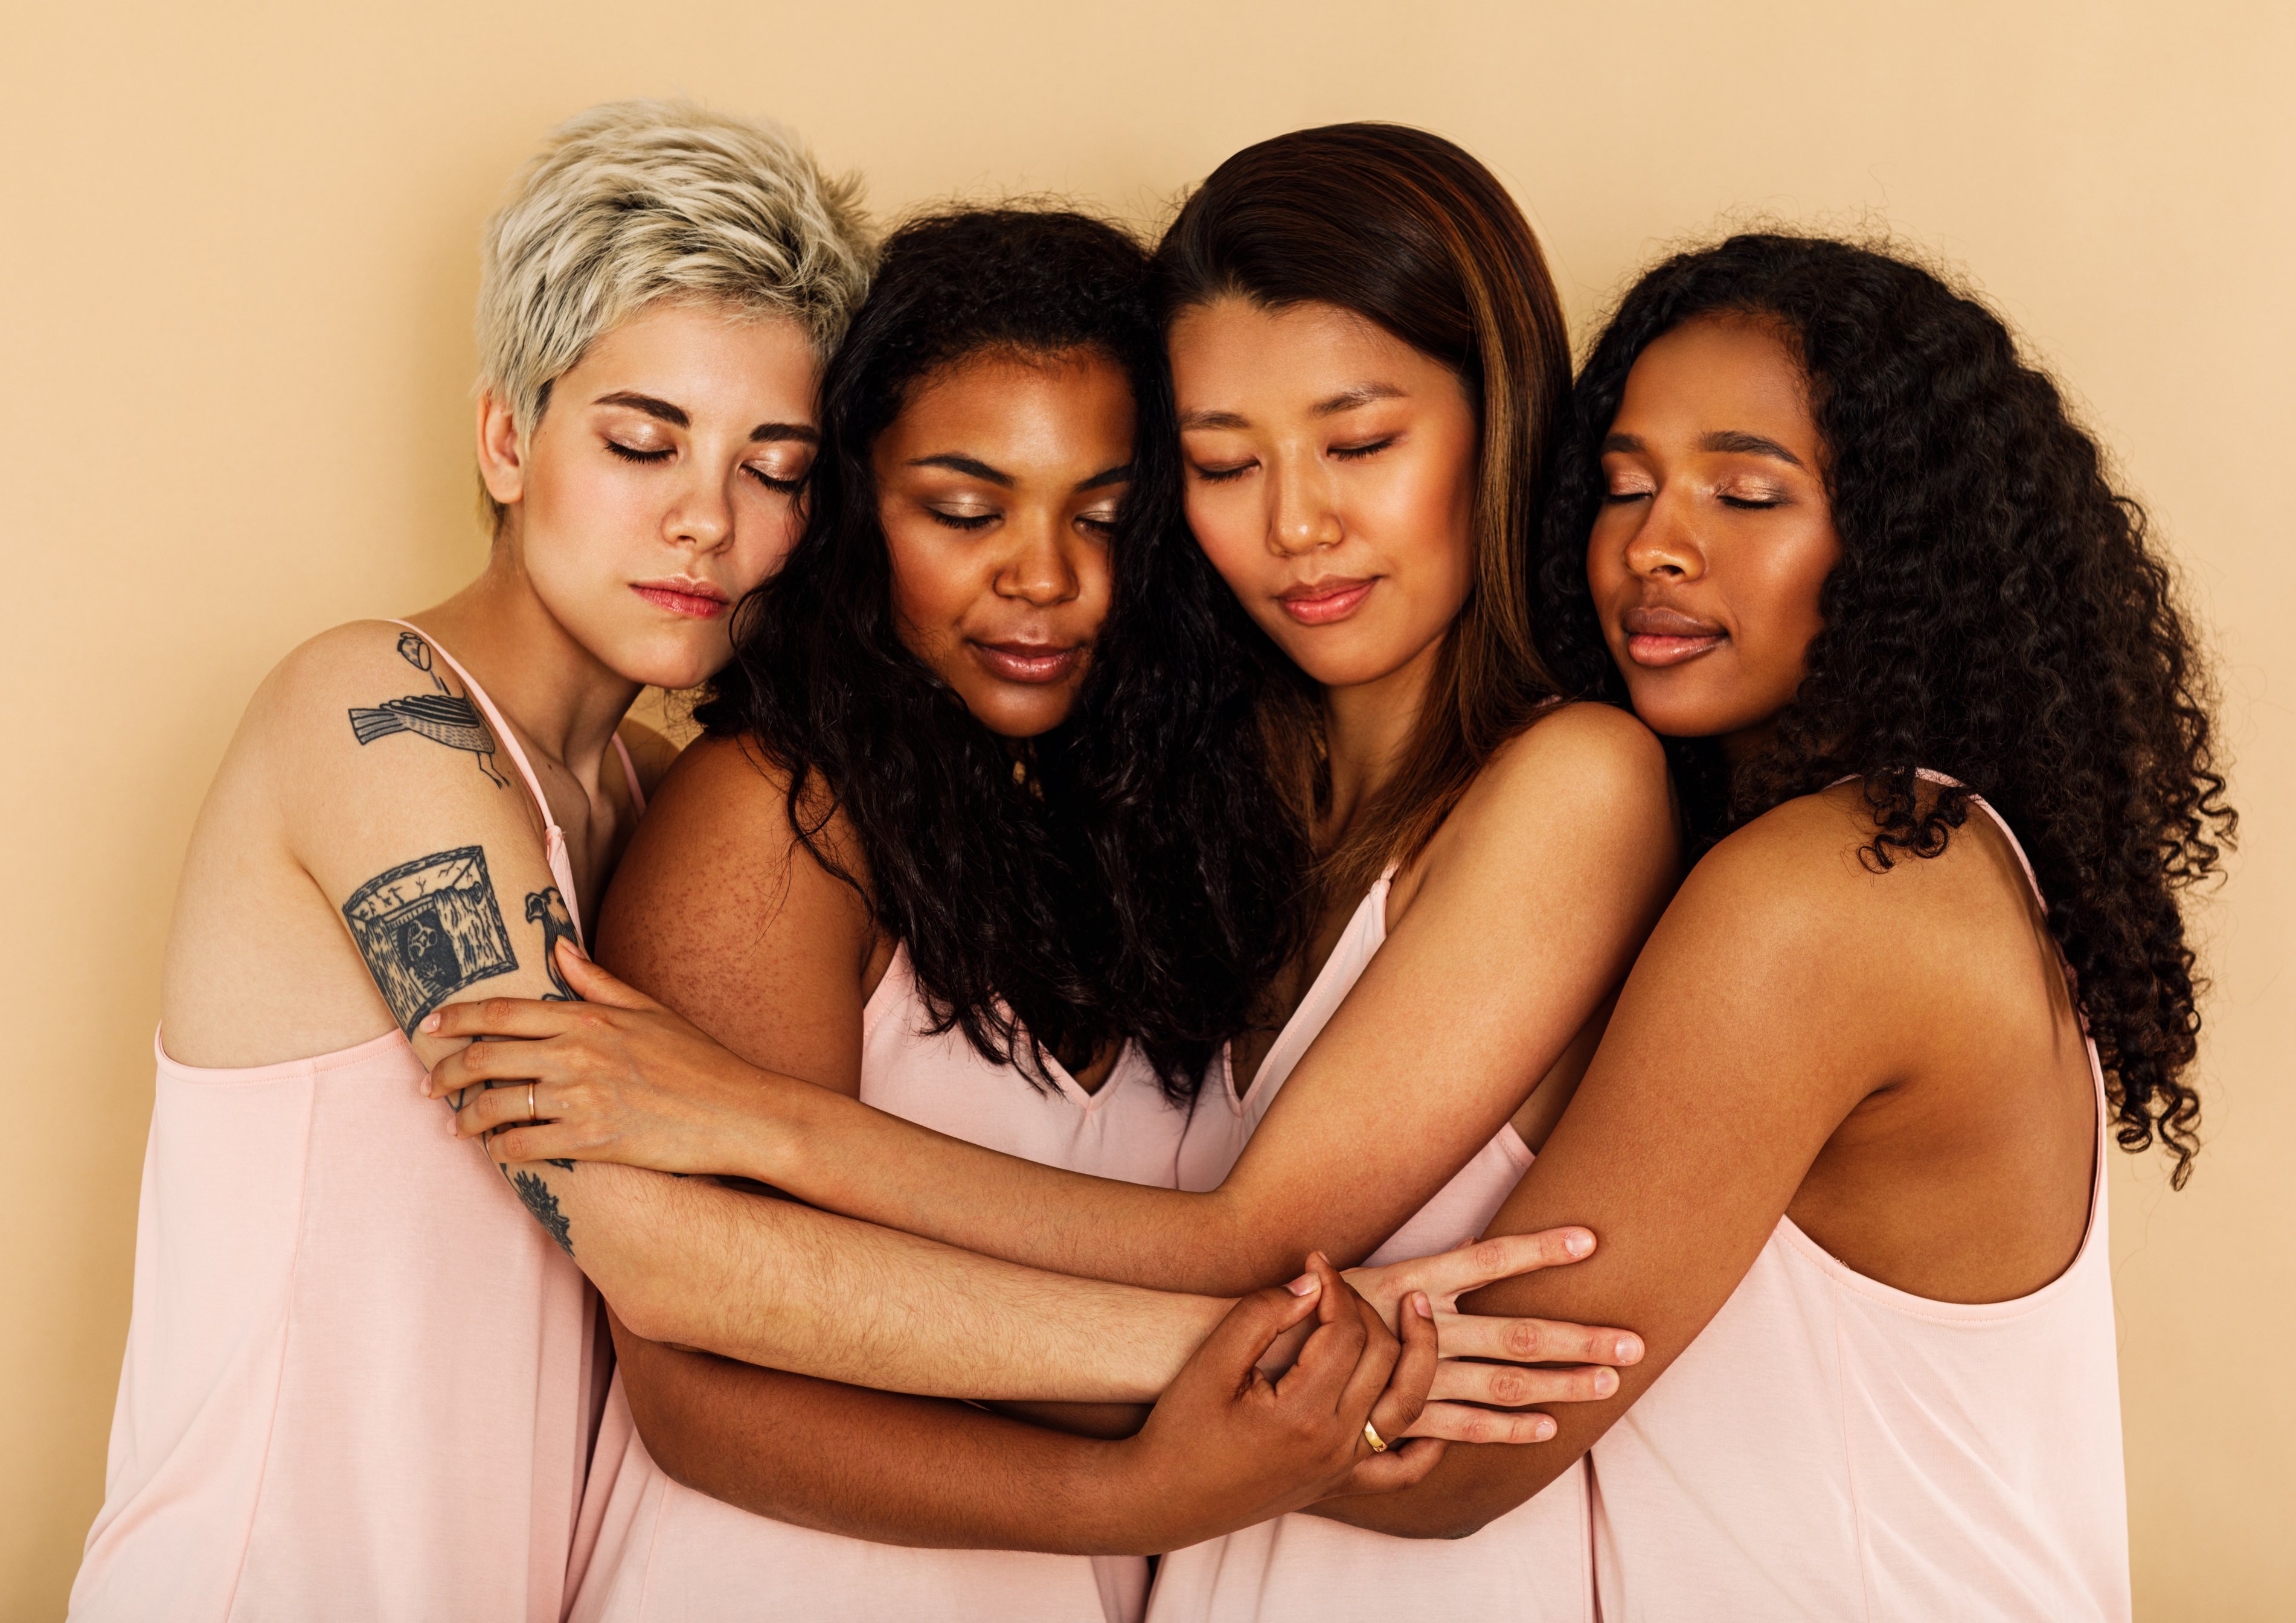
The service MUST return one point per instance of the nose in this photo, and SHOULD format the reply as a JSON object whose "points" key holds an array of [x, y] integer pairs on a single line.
{"points": [[1303, 518], [703, 515], [1665, 545], [1037, 569]]}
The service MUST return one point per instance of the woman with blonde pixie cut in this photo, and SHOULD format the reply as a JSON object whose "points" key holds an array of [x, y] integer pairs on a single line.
{"points": [[360, 1381]]}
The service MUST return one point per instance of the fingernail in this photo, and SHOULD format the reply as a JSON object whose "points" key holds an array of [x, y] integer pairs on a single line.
{"points": [[1578, 1242], [1426, 1309], [1606, 1381], [430, 1022], [1543, 1429], [1631, 1348], [1305, 1285]]}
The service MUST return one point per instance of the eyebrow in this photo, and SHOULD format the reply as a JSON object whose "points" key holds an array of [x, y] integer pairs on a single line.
{"points": [[1722, 439], [1119, 474], [971, 467], [1362, 394], [662, 411]]}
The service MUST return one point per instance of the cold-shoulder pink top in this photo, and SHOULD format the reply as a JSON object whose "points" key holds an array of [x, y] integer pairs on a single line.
{"points": [[1528, 1566], [662, 1552], [360, 1381]]}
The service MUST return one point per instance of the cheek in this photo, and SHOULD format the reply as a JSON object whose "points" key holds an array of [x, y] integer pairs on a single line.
{"points": [[1223, 528]]}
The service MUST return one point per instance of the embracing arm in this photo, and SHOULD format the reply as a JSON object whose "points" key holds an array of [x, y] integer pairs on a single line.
{"points": [[1564, 852], [1756, 1020]]}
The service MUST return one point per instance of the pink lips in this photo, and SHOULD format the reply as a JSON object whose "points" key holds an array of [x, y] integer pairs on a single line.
{"points": [[682, 595], [1324, 602], [1035, 663], [1660, 637]]}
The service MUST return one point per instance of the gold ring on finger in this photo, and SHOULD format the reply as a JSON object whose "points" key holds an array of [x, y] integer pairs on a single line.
{"points": [[1371, 1435], [532, 1114]]}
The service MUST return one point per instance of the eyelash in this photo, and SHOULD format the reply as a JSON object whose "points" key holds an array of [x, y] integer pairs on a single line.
{"points": [[781, 487], [1745, 506], [967, 522], [1221, 476]]}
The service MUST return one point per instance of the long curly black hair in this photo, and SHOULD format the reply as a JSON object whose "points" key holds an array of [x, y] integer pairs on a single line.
{"points": [[1997, 614], [993, 879]]}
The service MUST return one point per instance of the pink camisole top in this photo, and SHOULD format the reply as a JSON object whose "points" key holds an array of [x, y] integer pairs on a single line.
{"points": [[1830, 1447], [663, 1551], [1528, 1566], [360, 1380]]}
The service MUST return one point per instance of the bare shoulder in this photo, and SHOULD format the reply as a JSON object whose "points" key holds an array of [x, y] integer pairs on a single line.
{"points": [[719, 885], [1580, 771]]}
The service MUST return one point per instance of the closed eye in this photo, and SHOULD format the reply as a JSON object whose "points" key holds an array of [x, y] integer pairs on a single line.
{"points": [[1355, 453], [963, 520], [629, 454], [1747, 503], [1221, 476], [786, 486]]}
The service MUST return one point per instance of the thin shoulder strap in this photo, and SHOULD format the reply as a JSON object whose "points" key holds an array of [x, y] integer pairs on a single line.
{"points": [[2016, 846], [509, 739], [630, 776], [553, 838]]}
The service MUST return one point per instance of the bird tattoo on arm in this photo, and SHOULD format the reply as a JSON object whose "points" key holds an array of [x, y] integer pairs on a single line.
{"points": [[444, 716]]}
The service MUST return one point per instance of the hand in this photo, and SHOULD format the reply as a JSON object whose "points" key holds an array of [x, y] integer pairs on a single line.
{"points": [[615, 1078], [1502, 1362], [1226, 1447]]}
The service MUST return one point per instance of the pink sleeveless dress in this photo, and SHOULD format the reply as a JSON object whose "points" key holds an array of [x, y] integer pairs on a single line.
{"points": [[664, 1552], [1830, 1447], [1528, 1566], [360, 1380]]}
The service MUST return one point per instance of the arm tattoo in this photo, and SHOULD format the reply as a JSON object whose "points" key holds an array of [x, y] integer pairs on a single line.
{"points": [[444, 718], [544, 1205], [428, 928], [548, 909]]}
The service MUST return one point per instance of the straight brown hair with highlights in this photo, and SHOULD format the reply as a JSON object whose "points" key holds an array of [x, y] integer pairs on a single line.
{"points": [[1406, 230]]}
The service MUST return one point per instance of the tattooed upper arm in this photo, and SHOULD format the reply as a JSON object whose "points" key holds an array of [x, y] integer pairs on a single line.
{"points": [[443, 715], [430, 928]]}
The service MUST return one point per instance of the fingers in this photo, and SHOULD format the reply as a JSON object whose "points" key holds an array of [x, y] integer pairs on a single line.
{"points": [[1334, 1348], [1474, 1335], [1462, 1422], [1408, 1388], [1401, 1466], [544, 1142], [1450, 1274], [500, 1017], [1240, 1340], [484, 1065], [1510, 1386], [1375, 1370], [595, 985], [488, 1108]]}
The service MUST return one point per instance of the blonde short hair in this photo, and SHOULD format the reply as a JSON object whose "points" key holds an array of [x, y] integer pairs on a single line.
{"points": [[635, 201]]}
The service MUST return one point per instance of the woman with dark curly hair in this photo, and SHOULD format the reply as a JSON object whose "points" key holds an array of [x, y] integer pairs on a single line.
{"points": [[1845, 549]]}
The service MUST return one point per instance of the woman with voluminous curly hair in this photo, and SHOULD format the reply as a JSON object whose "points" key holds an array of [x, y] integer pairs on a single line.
{"points": [[1845, 1137]]}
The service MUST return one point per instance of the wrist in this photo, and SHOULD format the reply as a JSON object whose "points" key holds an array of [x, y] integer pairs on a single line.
{"points": [[776, 1129], [1124, 1503]]}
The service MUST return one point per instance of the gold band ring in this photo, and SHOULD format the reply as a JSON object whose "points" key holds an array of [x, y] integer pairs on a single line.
{"points": [[531, 1113], [1371, 1435]]}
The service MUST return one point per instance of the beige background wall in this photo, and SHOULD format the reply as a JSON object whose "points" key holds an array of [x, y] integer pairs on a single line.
{"points": [[237, 257]]}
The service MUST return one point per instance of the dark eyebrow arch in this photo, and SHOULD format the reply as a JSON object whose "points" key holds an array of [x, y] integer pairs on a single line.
{"points": [[1362, 394], [661, 410], [1214, 420], [1621, 442], [1751, 445], [1107, 476], [966, 465], [799, 431]]}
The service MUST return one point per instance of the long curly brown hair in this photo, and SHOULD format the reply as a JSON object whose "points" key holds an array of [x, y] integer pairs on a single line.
{"points": [[1999, 613]]}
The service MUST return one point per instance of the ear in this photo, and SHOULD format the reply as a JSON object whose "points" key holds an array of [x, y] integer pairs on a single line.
{"points": [[502, 459]]}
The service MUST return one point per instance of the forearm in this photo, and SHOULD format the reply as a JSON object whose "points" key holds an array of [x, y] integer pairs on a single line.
{"points": [[894, 1469], [839, 1154], [775, 1283], [1473, 1486]]}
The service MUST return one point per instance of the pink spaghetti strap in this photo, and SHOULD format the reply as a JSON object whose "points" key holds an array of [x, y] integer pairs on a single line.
{"points": [[553, 839], [630, 776]]}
